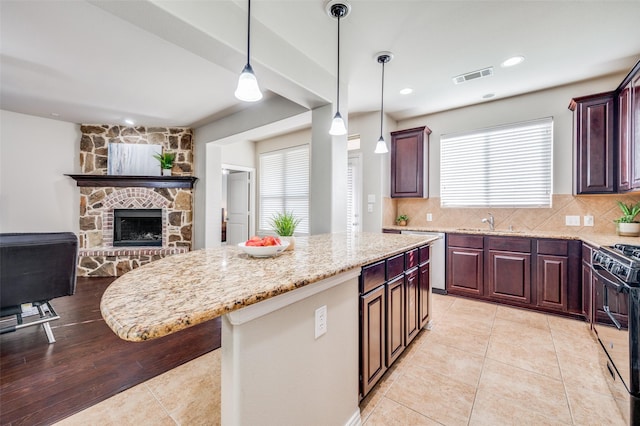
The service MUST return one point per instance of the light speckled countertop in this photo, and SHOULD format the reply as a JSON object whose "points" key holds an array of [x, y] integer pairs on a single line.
{"points": [[179, 291], [596, 240]]}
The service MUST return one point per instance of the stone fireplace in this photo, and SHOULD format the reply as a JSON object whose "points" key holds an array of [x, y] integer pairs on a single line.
{"points": [[163, 203]]}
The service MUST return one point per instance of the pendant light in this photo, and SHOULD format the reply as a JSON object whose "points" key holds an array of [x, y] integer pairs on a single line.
{"points": [[338, 10], [248, 90], [381, 146]]}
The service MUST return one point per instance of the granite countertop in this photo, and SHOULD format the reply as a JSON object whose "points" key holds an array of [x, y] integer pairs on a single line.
{"points": [[186, 289], [593, 239]]}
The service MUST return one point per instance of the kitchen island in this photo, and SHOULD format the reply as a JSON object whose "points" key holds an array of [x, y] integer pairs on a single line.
{"points": [[274, 368]]}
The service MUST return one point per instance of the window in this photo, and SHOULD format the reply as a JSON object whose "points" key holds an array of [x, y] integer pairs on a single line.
{"points": [[505, 166], [284, 186]]}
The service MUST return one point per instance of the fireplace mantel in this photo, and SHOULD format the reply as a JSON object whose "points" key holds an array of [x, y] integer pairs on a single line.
{"points": [[131, 181]]}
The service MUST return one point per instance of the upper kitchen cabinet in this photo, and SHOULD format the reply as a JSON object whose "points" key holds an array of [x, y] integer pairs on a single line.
{"points": [[593, 133], [409, 167], [633, 116]]}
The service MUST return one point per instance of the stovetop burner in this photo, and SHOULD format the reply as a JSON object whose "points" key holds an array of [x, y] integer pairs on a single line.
{"points": [[621, 260], [628, 250]]}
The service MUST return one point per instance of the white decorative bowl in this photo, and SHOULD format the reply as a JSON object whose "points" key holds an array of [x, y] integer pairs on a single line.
{"points": [[264, 251]]}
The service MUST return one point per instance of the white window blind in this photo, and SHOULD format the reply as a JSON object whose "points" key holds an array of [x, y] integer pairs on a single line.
{"points": [[505, 166], [284, 186]]}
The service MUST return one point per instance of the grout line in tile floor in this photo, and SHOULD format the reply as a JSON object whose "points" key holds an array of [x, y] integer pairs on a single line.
{"points": [[430, 382]]}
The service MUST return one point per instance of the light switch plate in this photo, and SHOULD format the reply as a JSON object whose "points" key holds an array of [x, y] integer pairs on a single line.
{"points": [[429, 217], [370, 208], [588, 220], [371, 198]]}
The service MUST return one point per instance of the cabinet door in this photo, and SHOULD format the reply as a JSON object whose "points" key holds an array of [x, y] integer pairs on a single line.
{"points": [[424, 295], [634, 116], [510, 276], [412, 288], [594, 128], [465, 272], [372, 338], [395, 319], [407, 163], [552, 282], [624, 146]]}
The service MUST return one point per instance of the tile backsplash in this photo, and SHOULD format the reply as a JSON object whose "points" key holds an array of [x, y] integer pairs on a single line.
{"points": [[603, 208]]}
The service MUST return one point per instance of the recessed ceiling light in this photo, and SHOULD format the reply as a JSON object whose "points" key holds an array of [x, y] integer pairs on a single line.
{"points": [[515, 60], [406, 91], [129, 121], [488, 96]]}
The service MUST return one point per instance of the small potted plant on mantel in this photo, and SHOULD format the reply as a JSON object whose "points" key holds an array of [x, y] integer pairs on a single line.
{"points": [[626, 226], [402, 220], [166, 160], [285, 225]]}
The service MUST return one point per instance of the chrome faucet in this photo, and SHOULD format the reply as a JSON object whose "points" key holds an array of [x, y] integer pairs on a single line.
{"points": [[489, 221]]}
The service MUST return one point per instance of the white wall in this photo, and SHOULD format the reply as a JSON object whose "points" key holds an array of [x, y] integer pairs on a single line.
{"points": [[35, 155], [548, 103], [239, 154]]}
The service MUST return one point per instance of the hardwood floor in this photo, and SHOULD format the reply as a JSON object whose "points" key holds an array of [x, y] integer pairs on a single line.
{"points": [[43, 383]]}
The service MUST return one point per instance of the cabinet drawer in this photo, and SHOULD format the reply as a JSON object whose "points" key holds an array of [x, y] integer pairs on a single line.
{"points": [[521, 245], [372, 276], [395, 266], [553, 247], [424, 254], [468, 241], [411, 259]]}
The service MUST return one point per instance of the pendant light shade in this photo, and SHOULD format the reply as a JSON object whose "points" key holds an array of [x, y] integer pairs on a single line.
{"points": [[338, 10], [248, 90], [381, 146]]}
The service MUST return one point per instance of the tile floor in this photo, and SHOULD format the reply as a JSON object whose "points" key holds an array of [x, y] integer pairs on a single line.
{"points": [[480, 364]]}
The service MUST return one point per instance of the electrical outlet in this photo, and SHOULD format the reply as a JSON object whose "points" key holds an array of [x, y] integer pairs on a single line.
{"points": [[429, 217], [588, 220], [370, 208], [572, 220], [321, 321]]}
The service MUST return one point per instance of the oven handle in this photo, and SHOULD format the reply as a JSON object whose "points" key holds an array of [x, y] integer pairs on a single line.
{"points": [[605, 302], [608, 278]]}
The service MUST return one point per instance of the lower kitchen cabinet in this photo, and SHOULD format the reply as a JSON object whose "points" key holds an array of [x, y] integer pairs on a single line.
{"points": [[510, 276], [587, 283], [395, 301], [373, 337], [541, 274], [412, 323], [395, 319], [465, 264]]}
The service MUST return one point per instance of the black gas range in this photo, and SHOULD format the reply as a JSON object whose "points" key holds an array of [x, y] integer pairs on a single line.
{"points": [[616, 272]]}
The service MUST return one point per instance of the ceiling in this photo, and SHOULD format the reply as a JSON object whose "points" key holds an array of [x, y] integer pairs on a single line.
{"points": [[176, 63]]}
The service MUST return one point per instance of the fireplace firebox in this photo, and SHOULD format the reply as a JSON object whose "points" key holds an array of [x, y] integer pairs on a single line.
{"points": [[137, 227]]}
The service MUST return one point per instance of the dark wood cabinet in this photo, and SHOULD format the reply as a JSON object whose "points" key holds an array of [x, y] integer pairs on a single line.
{"points": [[409, 167], [625, 154], [634, 127], [587, 283], [510, 276], [412, 319], [372, 337], [424, 294], [394, 306], [594, 126], [541, 274], [465, 264], [395, 319]]}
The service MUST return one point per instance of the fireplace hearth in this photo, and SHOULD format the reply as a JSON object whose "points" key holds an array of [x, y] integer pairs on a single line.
{"points": [[137, 227]]}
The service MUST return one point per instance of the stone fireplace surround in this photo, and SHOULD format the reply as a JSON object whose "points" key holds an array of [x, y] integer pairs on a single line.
{"points": [[97, 256]]}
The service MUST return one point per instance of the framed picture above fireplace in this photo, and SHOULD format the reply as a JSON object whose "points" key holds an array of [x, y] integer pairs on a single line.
{"points": [[127, 159]]}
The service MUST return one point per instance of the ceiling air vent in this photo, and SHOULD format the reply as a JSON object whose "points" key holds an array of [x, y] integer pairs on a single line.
{"points": [[485, 72]]}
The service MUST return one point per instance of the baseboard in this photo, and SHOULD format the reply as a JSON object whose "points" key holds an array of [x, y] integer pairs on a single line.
{"points": [[355, 419]]}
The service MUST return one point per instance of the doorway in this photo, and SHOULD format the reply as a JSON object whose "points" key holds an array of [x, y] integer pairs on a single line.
{"points": [[238, 201]]}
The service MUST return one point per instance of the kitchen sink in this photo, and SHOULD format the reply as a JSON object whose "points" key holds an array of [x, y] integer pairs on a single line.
{"points": [[489, 231]]}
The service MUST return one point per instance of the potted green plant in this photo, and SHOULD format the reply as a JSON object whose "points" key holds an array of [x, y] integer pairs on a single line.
{"points": [[626, 224], [166, 160], [285, 225], [402, 220]]}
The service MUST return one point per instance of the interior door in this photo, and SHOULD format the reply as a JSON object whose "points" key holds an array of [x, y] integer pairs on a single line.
{"points": [[237, 207]]}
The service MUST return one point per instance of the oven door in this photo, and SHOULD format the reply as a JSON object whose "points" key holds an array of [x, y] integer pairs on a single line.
{"points": [[611, 320]]}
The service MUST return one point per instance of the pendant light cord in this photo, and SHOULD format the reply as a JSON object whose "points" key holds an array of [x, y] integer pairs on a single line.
{"points": [[248, 31], [338, 85], [382, 98]]}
